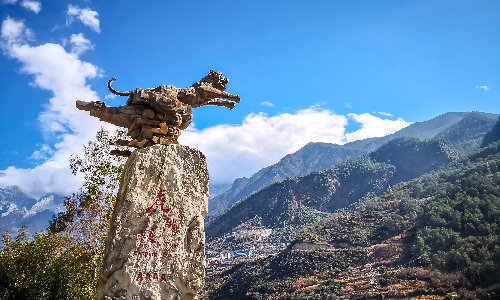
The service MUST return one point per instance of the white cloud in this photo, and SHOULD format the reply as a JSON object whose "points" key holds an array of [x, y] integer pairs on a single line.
{"points": [[9, 1], [65, 75], [11, 29], [383, 113], [34, 6], [241, 150], [79, 44], [86, 15], [14, 32], [110, 96], [44, 153], [374, 126], [348, 105], [267, 103], [482, 87]]}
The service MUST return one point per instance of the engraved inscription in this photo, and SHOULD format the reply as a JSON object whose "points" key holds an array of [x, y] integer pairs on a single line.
{"points": [[160, 202]]}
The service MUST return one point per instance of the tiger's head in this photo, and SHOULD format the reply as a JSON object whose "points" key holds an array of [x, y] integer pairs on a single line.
{"points": [[216, 79]]}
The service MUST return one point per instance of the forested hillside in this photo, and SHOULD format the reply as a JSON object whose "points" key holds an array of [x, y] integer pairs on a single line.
{"points": [[434, 234], [313, 156], [467, 134], [297, 200]]}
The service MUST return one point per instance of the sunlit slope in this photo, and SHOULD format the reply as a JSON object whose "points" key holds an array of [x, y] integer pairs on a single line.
{"points": [[320, 156], [296, 199]]}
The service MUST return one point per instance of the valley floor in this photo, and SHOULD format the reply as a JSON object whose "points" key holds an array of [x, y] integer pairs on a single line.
{"points": [[383, 272]]}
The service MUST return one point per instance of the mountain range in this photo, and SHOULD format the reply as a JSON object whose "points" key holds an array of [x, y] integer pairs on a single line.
{"points": [[413, 219], [18, 209], [464, 130], [295, 198]]}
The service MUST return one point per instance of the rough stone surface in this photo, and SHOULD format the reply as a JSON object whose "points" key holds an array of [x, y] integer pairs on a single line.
{"points": [[156, 242]]}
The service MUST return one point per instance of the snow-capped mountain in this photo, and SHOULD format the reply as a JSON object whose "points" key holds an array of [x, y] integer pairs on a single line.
{"points": [[18, 209]]}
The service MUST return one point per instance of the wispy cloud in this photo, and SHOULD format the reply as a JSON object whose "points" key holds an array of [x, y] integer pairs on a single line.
{"points": [[87, 16], [11, 152], [110, 96], [34, 6], [44, 153], [348, 105], [373, 126], [13, 32], [80, 44], [482, 87], [383, 113], [267, 103], [65, 75]]}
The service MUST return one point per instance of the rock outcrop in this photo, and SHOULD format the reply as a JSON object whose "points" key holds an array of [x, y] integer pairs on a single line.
{"points": [[156, 242]]}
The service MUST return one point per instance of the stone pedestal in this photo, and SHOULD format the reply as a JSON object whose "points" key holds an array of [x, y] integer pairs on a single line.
{"points": [[156, 242]]}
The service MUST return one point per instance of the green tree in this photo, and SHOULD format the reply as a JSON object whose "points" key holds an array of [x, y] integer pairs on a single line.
{"points": [[88, 211], [64, 262], [50, 266]]}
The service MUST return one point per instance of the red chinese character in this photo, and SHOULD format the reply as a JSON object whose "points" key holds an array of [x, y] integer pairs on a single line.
{"points": [[160, 201], [167, 223], [151, 235]]}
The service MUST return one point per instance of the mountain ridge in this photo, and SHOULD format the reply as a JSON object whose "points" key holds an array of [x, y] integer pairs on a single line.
{"points": [[320, 156], [18, 209], [324, 191], [432, 236]]}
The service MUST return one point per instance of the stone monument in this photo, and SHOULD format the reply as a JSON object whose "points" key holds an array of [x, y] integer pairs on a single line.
{"points": [[155, 247]]}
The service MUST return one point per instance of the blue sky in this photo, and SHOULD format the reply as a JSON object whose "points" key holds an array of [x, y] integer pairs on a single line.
{"points": [[332, 71]]}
